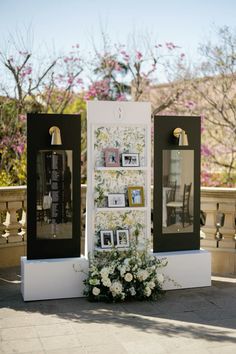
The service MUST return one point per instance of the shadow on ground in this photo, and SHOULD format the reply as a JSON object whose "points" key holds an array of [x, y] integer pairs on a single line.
{"points": [[206, 313]]}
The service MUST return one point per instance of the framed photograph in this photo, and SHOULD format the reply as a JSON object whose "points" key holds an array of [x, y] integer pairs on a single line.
{"points": [[136, 196], [107, 239], [116, 200], [130, 160], [122, 237], [112, 157]]}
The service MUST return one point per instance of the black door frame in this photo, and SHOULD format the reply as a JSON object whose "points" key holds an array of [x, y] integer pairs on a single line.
{"points": [[38, 138], [164, 140]]}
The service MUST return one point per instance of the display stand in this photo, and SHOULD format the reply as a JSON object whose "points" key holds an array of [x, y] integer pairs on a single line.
{"points": [[176, 216], [53, 278], [118, 165], [186, 269], [53, 268]]}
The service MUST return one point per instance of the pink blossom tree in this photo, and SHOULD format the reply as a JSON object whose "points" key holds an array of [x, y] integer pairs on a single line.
{"points": [[120, 73], [31, 87]]}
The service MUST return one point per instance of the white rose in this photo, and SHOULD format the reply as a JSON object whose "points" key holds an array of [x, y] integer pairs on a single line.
{"points": [[116, 288], [126, 261], [142, 275], [105, 272], [122, 271], [151, 285], [132, 291], [96, 291], [160, 278], [147, 291], [106, 282], [128, 277], [111, 269]]}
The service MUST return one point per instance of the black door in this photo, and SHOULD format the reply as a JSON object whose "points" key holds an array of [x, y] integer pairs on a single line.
{"points": [[53, 186], [176, 210]]}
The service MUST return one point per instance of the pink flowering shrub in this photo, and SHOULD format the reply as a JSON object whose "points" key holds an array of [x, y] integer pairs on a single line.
{"points": [[12, 145]]}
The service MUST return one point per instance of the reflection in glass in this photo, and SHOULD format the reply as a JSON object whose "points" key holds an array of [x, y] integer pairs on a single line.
{"points": [[54, 194], [177, 208]]}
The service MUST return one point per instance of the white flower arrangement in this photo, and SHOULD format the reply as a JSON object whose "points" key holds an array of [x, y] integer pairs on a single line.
{"points": [[124, 275]]}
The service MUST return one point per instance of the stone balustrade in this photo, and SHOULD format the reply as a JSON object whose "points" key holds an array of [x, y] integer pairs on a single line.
{"points": [[223, 251], [13, 226]]}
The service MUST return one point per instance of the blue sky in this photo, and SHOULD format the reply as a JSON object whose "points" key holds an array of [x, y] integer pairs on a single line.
{"points": [[62, 23]]}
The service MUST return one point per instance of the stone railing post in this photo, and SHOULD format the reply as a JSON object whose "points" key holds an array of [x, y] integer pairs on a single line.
{"points": [[12, 200]]}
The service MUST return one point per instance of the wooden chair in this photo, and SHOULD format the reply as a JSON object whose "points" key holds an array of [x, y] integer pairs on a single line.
{"points": [[170, 197], [182, 205], [171, 193]]}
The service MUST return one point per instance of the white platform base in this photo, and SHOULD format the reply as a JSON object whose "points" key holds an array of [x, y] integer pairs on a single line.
{"points": [[187, 269], [53, 278]]}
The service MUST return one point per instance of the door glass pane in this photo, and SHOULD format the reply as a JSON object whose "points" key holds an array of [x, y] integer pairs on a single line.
{"points": [[54, 194], [178, 192]]}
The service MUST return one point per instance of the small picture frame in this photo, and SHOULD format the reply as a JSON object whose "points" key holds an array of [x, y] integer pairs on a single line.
{"points": [[111, 157], [136, 196], [122, 237], [116, 200], [130, 160], [107, 238]]}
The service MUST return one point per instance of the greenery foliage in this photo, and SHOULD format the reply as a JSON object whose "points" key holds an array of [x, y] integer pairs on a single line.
{"points": [[12, 144], [131, 274]]}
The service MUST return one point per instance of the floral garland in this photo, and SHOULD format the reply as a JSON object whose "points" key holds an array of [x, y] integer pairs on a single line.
{"points": [[124, 275]]}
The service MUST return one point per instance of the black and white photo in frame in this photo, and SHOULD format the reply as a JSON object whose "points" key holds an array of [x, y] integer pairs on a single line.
{"points": [[122, 238], [107, 238], [130, 160], [116, 200]]}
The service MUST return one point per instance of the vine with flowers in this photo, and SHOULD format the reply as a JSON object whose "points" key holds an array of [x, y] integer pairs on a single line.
{"points": [[117, 276]]}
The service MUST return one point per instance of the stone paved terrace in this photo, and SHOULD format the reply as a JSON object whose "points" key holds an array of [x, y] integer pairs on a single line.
{"points": [[192, 321]]}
